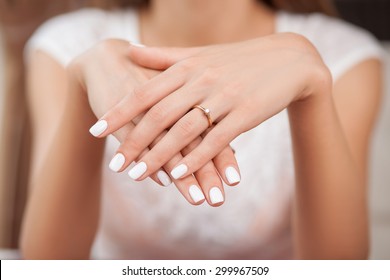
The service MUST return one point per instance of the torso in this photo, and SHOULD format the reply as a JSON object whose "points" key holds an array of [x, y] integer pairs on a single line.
{"points": [[142, 220]]}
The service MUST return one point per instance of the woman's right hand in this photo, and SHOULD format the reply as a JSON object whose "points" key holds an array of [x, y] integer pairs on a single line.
{"points": [[106, 75]]}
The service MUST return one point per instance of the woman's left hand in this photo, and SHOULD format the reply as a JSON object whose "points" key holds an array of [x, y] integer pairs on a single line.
{"points": [[241, 84]]}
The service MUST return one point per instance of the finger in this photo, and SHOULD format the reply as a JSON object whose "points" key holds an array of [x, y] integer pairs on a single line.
{"points": [[160, 58], [214, 142], [160, 117], [161, 177], [135, 103], [118, 161], [179, 136], [208, 178], [188, 186], [226, 163], [227, 166]]}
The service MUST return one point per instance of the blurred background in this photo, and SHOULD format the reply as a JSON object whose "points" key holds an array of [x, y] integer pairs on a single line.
{"points": [[19, 18]]}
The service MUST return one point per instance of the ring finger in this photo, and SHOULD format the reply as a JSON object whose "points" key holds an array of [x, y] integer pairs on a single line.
{"points": [[178, 137], [159, 118]]}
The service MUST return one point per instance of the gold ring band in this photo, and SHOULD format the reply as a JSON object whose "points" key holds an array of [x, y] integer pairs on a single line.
{"points": [[206, 112]]}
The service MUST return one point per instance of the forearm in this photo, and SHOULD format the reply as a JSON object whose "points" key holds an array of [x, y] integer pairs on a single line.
{"points": [[62, 212], [330, 215]]}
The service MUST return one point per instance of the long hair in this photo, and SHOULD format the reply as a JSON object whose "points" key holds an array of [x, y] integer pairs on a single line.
{"points": [[296, 6]]}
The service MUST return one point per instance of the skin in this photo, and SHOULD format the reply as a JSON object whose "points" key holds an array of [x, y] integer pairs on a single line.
{"points": [[330, 211]]}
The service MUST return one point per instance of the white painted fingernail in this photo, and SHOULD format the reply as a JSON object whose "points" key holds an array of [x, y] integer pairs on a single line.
{"points": [[216, 195], [138, 170], [137, 45], [179, 171], [117, 162], [196, 194], [232, 175], [164, 178], [98, 128]]}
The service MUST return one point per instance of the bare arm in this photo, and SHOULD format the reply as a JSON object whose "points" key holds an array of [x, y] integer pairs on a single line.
{"points": [[62, 212], [66, 158], [331, 136], [330, 128]]}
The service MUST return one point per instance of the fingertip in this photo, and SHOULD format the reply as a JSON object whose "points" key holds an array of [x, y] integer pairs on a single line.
{"points": [[99, 128], [179, 171], [200, 202], [216, 204], [216, 197], [117, 162], [232, 175], [196, 195], [164, 178], [137, 171]]}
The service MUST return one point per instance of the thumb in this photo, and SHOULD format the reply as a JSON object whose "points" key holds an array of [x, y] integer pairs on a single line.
{"points": [[159, 58]]}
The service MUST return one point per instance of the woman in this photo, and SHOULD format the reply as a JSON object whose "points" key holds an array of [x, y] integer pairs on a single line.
{"points": [[251, 72]]}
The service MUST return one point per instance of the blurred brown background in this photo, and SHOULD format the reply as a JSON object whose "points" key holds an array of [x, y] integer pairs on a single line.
{"points": [[19, 18]]}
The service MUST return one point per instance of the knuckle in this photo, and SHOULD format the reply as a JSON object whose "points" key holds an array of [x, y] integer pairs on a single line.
{"points": [[140, 94], [186, 127], [231, 92], [157, 139], [119, 113], [158, 113], [218, 139], [247, 106], [207, 173], [226, 155], [132, 145], [199, 159], [209, 76], [184, 65], [299, 42], [159, 159]]}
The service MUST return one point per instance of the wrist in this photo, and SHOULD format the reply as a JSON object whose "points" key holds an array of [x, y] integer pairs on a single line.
{"points": [[77, 100], [317, 86]]}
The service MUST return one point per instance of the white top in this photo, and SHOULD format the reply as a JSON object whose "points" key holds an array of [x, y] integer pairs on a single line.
{"points": [[140, 220]]}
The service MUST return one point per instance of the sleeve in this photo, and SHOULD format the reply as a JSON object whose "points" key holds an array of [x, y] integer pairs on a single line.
{"points": [[68, 35], [341, 44]]}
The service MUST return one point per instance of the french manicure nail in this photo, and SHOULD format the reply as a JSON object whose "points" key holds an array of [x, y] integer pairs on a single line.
{"points": [[117, 162], [196, 194], [138, 170], [179, 171], [232, 175], [98, 128], [216, 195], [164, 178]]}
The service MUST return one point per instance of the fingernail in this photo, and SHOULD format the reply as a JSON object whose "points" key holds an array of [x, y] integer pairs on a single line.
{"points": [[98, 128], [216, 195], [232, 175], [179, 171], [164, 178], [138, 170], [196, 194], [137, 45], [117, 162]]}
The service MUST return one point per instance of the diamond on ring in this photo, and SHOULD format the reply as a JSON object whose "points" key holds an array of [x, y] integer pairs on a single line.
{"points": [[206, 112]]}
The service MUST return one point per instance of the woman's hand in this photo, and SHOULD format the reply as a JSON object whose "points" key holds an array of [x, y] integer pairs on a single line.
{"points": [[107, 75], [242, 84]]}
